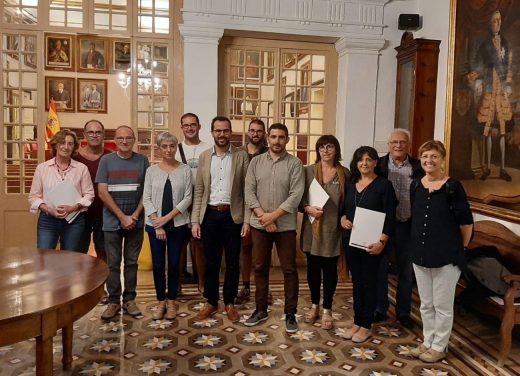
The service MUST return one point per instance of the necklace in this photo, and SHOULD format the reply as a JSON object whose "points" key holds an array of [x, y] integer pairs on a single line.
{"points": [[62, 169], [361, 198]]}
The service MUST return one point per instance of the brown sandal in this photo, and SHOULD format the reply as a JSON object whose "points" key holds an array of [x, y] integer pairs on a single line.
{"points": [[312, 315], [327, 321]]}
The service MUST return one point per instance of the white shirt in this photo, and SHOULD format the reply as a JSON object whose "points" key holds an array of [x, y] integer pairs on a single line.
{"points": [[220, 173], [192, 153]]}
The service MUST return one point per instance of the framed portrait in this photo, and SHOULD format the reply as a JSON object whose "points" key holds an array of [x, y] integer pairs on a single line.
{"points": [[60, 52], [93, 54], [92, 95], [483, 105], [250, 69], [61, 89], [122, 55], [246, 102]]}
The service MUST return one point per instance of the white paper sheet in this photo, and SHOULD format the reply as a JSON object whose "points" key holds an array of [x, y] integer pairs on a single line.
{"points": [[367, 228], [64, 194], [317, 196]]}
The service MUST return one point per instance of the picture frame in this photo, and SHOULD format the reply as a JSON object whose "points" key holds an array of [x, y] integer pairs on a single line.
{"points": [[246, 101], [122, 55], [93, 54], [60, 52], [92, 95], [483, 145], [62, 90]]}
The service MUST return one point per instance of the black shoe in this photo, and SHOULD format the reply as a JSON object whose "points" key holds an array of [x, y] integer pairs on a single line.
{"points": [[379, 317], [291, 325], [256, 318], [406, 321], [504, 175]]}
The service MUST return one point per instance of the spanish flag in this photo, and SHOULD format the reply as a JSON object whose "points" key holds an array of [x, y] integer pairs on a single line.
{"points": [[53, 123]]}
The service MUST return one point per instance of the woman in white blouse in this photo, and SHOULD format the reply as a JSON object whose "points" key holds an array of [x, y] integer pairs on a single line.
{"points": [[167, 196], [60, 218]]}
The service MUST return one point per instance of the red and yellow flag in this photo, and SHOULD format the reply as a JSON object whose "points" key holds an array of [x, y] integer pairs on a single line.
{"points": [[53, 123]]}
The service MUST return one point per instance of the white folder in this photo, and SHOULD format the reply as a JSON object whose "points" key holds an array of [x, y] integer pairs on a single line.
{"points": [[367, 228], [64, 194]]}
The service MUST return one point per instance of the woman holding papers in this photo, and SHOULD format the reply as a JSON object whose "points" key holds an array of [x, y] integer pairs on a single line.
{"points": [[442, 225], [167, 196], [321, 240], [61, 191], [366, 190]]}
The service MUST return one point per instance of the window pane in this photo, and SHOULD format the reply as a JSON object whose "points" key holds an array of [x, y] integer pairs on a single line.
{"points": [[162, 25], [101, 21]]}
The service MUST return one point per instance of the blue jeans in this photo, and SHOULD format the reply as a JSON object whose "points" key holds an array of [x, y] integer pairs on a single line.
{"points": [[52, 229], [118, 245], [175, 238], [405, 275]]}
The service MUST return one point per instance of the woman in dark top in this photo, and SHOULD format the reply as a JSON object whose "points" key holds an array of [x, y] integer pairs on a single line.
{"points": [[441, 228], [366, 189]]}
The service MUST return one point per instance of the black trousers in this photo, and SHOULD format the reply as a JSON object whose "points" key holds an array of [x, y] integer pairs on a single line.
{"points": [[364, 269], [221, 234], [316, 266]]}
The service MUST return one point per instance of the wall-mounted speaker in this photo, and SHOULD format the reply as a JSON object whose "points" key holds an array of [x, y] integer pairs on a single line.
{"points": [[409, 22]]}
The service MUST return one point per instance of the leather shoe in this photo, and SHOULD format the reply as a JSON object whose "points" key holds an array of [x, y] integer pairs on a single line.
{"points": [[206, 311], [232, 313], [361, 335], [432, 356], [418, 351]]}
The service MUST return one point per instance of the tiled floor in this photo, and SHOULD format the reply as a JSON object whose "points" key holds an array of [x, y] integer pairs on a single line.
{"points": [[142, 346]]}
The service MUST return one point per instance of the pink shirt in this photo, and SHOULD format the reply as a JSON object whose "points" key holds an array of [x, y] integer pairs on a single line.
{"points": [[47, 177]]}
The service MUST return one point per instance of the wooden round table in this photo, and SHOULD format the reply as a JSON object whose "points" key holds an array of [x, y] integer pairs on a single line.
{"points": [[42, 291]]}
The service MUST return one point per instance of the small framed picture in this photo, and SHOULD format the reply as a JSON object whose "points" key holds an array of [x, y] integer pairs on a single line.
{"points": [[251, 66], [122, 56], [59, 52], [61, 89], [92, 95], [93, 54]]}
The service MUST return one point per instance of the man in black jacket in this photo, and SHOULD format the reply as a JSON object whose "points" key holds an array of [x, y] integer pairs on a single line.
{"points": [[400, 168]]}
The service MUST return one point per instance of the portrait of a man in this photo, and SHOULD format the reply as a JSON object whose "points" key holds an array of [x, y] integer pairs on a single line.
{"points": [[485, 110], [93, 54], [92, 95], [59, 52], [122, 56], [61, 90]]}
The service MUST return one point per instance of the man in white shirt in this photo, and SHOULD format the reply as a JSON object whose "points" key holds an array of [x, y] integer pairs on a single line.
{"points": [[219, 216], [188, 153]]}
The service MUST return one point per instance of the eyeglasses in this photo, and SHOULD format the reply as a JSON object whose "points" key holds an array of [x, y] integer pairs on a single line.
{"points": [[395, 143], [327, 147], [192, 125], [94, 134], [124, 139], [256, 131], [224, 131]]}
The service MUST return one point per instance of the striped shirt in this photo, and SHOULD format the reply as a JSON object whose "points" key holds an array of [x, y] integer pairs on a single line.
{"points": [[47, 177], [125, 181]]}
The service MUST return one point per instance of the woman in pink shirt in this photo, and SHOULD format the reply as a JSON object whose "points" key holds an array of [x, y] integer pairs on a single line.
{"points": [[61, 191]]}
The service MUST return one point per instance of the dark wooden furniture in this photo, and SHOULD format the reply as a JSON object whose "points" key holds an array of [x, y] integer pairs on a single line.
{"points": [[42, 291], [416, 87], [508, 244]]}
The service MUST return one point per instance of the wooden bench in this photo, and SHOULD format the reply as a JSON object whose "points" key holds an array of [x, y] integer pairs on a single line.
{"points": [[508, 244]]}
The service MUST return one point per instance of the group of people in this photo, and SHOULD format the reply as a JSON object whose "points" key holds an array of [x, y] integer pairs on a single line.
{"points": [[237, 203]]}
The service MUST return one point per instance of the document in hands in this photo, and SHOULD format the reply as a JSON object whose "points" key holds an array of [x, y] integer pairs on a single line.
{"points": [[317, 196], [367, 228], [64, 194]]}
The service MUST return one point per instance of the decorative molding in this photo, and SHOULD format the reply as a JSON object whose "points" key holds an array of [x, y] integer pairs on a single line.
{"points": [[201, 35], [353, 45], [328, 18]]}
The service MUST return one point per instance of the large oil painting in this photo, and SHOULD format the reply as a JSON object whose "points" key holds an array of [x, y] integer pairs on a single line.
{"points": [[483, 122]]}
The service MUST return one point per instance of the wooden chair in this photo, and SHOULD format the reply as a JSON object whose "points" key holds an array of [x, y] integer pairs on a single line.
{"points": [[508, 244]]}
